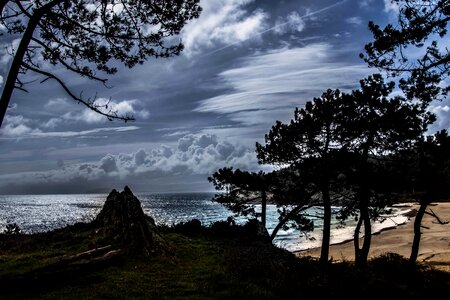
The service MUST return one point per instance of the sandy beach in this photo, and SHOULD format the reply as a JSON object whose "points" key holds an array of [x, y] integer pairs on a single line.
{"points": [[434, 246]]}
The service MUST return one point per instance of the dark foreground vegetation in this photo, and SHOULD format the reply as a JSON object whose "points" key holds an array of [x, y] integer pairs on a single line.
{"points": [[221, 261]]}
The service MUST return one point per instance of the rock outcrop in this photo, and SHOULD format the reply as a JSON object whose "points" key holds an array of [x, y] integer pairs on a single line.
{"points": [[123, 221]]}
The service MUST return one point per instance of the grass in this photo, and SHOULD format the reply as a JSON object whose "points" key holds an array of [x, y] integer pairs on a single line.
{"points": [[207, 263]]}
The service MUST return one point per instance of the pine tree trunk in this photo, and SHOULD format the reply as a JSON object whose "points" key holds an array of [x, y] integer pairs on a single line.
{"points": [[417, 233], [10, 83], [364, 254], [19, 54], [356, 238], [364, 202], [263, 208], [324, 251]]}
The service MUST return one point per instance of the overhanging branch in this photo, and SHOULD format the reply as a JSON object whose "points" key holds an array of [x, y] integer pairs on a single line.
{"points": [[288, 217], [69, 67], [88, 103]]}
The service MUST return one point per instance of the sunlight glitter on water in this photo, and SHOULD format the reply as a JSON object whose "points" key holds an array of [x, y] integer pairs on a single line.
{"points": [[38, 213]]}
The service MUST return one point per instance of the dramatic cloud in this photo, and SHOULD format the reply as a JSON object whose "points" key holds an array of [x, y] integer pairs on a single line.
{"points": [[222, 22], [200, 154], [280, 80], [108, 164], [18, 126], [246, 64]]}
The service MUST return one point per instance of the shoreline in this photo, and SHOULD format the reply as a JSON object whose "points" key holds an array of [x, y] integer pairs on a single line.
{"points": [[342, 234], [434, 246]]}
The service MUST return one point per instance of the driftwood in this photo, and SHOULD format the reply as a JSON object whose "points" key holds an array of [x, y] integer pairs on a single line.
{"points": [[81, 260], [87, 254]]}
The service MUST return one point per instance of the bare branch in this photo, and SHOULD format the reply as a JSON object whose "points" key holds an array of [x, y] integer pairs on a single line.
{"points": [[288, 217], [88, 103], [23, 9], [66, 33], [433, 214], [69, 67]]}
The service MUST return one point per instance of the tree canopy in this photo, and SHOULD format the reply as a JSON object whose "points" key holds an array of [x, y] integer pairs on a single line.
{"points": [[308, 143], [338, 141], [87, 36], [374, 124], [414, 47], [239, 191]]}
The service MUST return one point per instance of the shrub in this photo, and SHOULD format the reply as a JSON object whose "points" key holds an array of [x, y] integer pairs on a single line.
{"points": [[12, 228], [189, 228]]}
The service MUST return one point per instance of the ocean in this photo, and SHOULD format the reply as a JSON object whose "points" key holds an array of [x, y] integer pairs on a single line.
{"points": [[40, 213]]}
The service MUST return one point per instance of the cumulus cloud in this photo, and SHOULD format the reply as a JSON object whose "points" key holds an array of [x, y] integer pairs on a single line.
{"points": [[194, 155], [276, 82], [17, 126], [56, 104], [108, 164], [124, 107], [52, 123], [222, 22], [442, 112]]}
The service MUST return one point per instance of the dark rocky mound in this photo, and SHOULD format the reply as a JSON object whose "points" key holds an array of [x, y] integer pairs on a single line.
{"points": [[123, 221]]}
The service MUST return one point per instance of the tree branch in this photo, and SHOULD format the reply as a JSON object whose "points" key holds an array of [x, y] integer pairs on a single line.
{"points": [[88, 103], [288, 217], [68, 66], [433, 214], [23, 9], [61, 15]]}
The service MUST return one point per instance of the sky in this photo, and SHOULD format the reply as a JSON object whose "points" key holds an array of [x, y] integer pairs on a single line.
{"points": [[246, 64]]}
